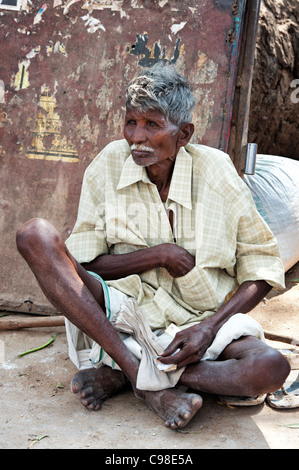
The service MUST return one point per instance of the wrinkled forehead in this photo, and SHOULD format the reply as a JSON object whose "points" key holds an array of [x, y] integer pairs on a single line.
{"points": [[152, 113], [155, 115]]}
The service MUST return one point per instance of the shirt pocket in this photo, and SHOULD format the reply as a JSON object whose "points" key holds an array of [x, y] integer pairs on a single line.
{"points": [[198, 289], [172, 312], [120, 230]]}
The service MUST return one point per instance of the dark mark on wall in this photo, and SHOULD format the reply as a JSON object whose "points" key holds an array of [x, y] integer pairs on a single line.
{"points": [[226, 5], [154, 55]]}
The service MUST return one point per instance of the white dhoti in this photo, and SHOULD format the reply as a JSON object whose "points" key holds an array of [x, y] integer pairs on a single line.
{"points": [[146, 345]]}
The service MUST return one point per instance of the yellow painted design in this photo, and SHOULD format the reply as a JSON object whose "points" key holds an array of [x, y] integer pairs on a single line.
{"points": [[49, 126], [62, 49], [49, 49]]}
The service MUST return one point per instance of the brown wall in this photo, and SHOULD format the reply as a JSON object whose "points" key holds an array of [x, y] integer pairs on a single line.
{"points": [[64, 70]]}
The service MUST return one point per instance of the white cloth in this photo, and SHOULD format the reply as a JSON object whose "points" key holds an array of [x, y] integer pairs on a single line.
{"points": [[126, 315], [131, 320]]}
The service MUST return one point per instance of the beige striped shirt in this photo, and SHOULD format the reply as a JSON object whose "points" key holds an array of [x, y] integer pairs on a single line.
{"points": [[215, 219]]}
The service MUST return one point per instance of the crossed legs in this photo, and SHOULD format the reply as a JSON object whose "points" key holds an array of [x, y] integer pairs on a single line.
{"points": [[255, 367], [79, 297]]}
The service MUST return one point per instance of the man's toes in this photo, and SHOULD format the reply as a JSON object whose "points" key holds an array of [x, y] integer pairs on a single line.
{"points": [[187, 416], [86, 391], [95, 406], [174, 423], [184, 415], [169, 423], [86, 401], [181, 420], [76, 384], [92, 403], [197, 402]]}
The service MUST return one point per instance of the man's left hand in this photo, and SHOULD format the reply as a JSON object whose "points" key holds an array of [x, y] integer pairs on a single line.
{"points": [[192, 343]]}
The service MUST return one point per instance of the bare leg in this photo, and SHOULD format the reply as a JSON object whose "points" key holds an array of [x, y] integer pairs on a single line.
{"points": [[72, 291], [247, 367]]}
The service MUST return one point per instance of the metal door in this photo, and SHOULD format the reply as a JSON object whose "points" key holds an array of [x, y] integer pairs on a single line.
{"points": [[63, 71]]}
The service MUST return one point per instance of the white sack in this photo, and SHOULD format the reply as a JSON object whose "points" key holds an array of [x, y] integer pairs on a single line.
{"points": [[275, 190]]}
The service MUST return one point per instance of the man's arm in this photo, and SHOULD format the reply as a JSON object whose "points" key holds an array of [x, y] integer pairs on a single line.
{"points": [[194, 341], [174, 258]]}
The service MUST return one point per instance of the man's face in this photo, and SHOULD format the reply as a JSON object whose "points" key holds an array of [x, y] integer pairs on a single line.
{"points": [[151, 137]]}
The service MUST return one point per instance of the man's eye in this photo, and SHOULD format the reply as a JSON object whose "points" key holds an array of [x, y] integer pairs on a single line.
{"points": [[131, 122], [152, 124]]}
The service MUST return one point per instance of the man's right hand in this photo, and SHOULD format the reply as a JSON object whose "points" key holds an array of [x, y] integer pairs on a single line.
{"points": [[176, 259]]}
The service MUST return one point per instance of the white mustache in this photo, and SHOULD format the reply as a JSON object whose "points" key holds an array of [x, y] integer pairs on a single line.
{"points": [[141, 147]]}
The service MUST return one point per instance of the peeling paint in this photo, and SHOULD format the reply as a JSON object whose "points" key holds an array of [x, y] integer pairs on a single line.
{"points": [[93, 24], [113, 5], [103, 103], [23, 30], [33, 52], [136, 4], [21, 80], [2, 92], [87, 132], [115, 122], [205, 70], [202, 119], [38, 16], [162, 3], [156, 54], [175, 28], [59, 48], [203, 76], [68, 5], [49, 49]]}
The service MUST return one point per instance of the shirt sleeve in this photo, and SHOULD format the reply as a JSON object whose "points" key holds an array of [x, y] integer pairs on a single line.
{"points": [[88, 238], [257, 251]]}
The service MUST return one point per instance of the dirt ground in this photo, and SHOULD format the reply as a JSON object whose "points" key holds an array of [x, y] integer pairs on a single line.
{"points": [[38, 411]]}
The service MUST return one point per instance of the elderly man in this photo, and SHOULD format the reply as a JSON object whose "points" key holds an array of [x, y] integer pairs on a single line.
{"points": [[171, 225]]}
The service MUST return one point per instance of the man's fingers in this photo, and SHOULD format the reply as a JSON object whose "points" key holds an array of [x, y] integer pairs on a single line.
{"points": [[172, 347], [181, 357], [171, 355]]}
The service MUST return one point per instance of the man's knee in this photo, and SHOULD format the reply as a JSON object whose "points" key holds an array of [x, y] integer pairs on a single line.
{"points": [[34, 235], [272, 370]]}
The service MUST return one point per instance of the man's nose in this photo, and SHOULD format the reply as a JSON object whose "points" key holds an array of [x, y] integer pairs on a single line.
{"points": [[138, 135]]}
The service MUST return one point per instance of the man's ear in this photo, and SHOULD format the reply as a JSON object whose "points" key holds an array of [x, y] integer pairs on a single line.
{"points": [[186, 132]]}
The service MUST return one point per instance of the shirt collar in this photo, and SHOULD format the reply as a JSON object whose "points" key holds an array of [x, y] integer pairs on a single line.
{"points": [[180, 186], [132, 173]]}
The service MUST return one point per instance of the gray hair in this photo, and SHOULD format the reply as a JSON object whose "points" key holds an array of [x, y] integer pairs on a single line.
{"points": [[161, 87]]}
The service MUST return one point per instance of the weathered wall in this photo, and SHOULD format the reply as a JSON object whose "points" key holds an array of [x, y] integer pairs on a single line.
{"points": [[274, 115], [64, 66]]}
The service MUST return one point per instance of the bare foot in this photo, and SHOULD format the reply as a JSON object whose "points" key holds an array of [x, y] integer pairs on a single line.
{"points": [[96, 385], [177, 408]]}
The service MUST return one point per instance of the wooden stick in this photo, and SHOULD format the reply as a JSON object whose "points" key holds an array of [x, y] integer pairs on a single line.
{"points": [[56, 320], [278, 337], [38, 321]]}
